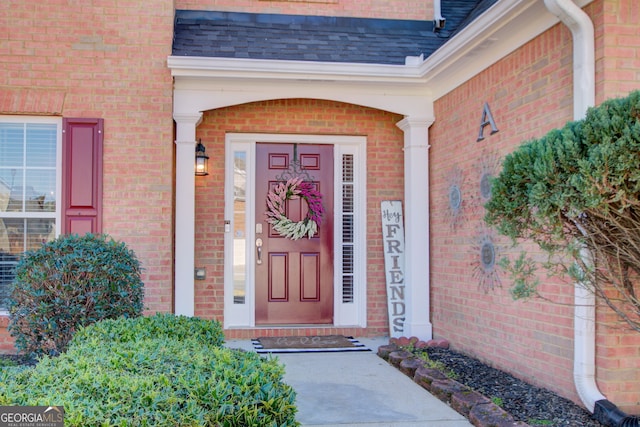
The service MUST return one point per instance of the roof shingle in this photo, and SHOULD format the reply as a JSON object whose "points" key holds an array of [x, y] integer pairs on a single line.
{"points": [[314, 38]]}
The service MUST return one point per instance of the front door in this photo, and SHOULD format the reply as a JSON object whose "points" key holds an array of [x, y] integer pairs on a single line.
{"points": [[294, 278]]}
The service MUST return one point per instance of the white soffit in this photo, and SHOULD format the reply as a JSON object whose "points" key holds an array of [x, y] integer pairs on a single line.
{"points": [[502, 29]]}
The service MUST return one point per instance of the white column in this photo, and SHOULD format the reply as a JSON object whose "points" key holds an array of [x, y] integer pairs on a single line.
{"points": [[416, 197], [185, 212]]}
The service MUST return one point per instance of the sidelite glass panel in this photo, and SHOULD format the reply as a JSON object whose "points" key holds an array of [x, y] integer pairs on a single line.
{"points": [[347, 260], [27, 192], [239, 227], [347, 168], [347, 198], [348, 227]]}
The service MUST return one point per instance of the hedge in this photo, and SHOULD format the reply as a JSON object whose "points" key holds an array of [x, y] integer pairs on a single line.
{"points": [[155, 376]]}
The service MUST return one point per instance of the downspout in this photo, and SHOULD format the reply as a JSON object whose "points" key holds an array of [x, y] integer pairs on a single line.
{"points": [[438, 20], [584, 321]]}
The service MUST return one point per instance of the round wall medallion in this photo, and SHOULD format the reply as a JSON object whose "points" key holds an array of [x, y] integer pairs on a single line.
{"points": [[486, 267], [455, 198], [452, 198], [487, 255], [485, 186]]}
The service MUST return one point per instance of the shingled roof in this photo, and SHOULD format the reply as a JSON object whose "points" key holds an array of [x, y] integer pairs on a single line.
{"points": [[316, 38]]}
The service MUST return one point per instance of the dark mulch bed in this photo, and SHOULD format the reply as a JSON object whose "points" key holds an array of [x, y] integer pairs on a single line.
{"points": [[525, 402]]}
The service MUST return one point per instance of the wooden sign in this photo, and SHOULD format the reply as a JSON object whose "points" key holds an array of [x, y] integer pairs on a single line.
{"points": [[393, 244]]}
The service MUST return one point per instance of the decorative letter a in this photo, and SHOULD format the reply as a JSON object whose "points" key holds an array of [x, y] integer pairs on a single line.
{"points": [[487, 119]]}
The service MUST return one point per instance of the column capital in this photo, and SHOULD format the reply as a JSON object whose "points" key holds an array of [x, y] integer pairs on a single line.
{"points": [[194, 118], [412, 122]]}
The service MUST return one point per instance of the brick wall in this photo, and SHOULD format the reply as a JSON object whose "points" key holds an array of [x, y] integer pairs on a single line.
{"points": [[618, 47], [529, 93], [617, 73], [105, 59], [396, 9], [384, 181]]}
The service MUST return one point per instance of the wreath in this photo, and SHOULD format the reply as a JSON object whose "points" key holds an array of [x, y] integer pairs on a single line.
{"points": [[291, 190]]}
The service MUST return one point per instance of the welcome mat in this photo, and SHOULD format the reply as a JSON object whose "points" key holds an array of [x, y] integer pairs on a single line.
{"points": [[312, 344]]}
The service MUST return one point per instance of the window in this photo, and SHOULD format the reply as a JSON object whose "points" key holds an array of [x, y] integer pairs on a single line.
{"points": [[28, 190]]}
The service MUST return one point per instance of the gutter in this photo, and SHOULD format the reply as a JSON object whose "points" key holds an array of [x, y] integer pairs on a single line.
{"points": [[584, 321]]}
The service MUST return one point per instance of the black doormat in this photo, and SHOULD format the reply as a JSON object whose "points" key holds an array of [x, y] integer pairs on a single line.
{"points": [[312, 344]]}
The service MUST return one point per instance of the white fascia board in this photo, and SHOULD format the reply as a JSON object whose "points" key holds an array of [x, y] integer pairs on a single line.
{"points": [[261, 69], [502, 29]]}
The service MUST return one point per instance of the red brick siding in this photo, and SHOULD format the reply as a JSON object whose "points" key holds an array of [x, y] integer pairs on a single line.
{"points": [[106, 60], [618, 44], [529, 92], [407, 9], [617, 36], [304, 116]]}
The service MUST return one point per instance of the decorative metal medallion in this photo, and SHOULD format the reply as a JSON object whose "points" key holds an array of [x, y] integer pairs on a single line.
{"points": [[455, 197], [488, 167], [485, 186], [487, 255], [485, 264]]}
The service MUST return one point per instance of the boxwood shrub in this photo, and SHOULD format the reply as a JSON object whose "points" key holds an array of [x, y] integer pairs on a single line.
{"points": [[158, 326], [70, 282], [155, 377]]}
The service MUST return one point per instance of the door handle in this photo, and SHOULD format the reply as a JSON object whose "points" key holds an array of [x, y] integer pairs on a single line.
{"points": [[259, 250]]}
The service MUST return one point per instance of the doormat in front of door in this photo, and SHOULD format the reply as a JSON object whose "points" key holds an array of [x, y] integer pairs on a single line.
{"points": [[313, 344]]}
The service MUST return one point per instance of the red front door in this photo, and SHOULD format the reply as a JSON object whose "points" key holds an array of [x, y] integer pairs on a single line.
{"points": [[294, 278]]}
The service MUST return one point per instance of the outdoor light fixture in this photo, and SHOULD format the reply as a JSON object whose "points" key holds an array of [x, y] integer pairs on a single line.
{"points": [[202, 160]]}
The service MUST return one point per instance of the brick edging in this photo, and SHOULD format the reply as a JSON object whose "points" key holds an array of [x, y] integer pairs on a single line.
{"points": [[478, 409]]}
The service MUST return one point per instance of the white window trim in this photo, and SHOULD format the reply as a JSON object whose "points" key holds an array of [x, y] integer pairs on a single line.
{"points": [[345, 314]]}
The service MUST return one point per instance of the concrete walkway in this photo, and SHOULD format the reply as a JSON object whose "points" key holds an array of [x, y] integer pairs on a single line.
{"points": [[359, 389]]}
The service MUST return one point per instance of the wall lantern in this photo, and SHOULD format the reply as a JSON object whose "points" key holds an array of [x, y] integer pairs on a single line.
{"points": [[202, 160]]}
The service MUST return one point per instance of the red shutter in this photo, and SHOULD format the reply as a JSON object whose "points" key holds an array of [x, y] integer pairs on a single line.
{"points": [[82, 176]]}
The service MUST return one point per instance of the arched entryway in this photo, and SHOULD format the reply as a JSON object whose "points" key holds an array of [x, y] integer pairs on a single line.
{"points": [[193, 97]]}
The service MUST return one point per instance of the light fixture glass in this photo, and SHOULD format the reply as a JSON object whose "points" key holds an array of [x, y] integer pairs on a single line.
{"points": [[202, 160]]}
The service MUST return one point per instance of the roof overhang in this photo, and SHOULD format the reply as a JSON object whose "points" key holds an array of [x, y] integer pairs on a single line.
{"points": [[503, 28]]}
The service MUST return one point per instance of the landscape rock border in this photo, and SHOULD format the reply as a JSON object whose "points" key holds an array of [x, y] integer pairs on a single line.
{"points": [[478, 409]]}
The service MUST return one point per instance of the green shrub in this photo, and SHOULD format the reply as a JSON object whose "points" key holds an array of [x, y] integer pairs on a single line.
{"points": [[70, 282], [162, 381], [159, 326], [574, 191]]}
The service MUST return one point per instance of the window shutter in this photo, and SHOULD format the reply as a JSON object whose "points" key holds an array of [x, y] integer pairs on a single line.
{"points": [[82, 141]]}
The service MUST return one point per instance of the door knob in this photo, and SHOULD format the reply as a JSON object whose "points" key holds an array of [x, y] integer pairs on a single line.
{"points": [[259, 250]]}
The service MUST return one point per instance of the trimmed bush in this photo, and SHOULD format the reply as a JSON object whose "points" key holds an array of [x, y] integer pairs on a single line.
{"points": [[576, 191], [108, 379], [159, 326], [70, 282]]}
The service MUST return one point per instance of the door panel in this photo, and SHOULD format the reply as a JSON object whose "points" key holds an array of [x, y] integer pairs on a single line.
{"points": [[310, 277], [278, 283], [294, 283]]}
